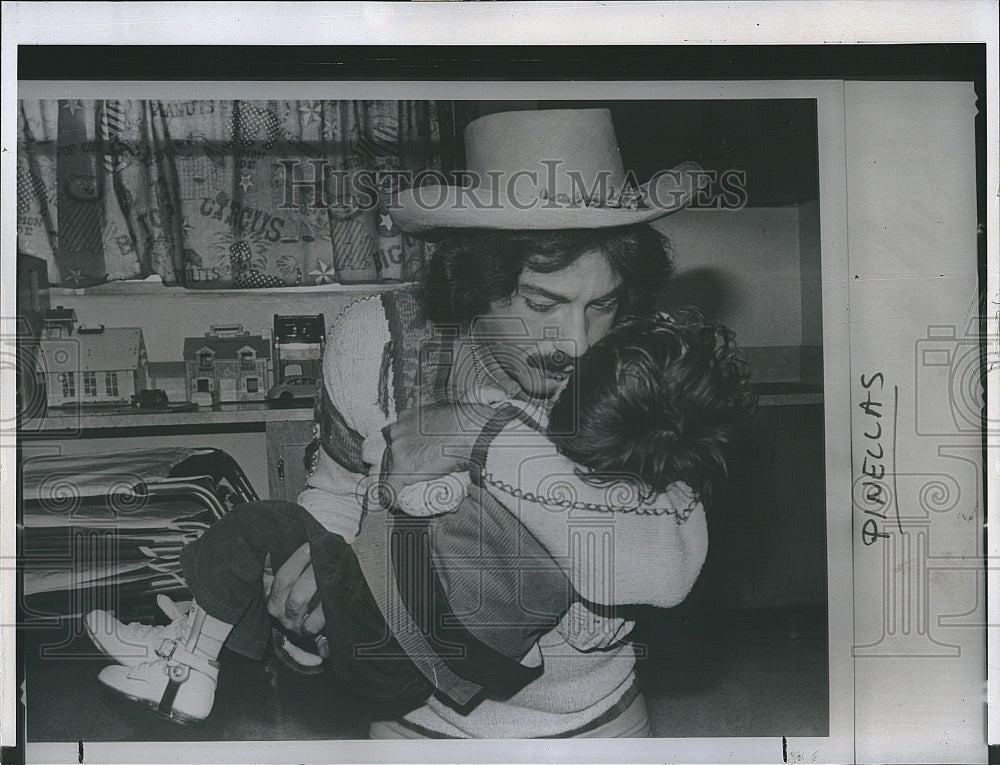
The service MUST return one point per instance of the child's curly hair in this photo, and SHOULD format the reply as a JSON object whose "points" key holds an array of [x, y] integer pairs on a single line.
{"points": [[654, 402]]}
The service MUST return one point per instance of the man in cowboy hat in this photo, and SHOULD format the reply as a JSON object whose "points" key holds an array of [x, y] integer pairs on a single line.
{"points": [[537, 259]]}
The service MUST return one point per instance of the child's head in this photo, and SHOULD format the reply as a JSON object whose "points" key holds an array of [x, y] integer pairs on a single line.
{"points": [[654, 402]]}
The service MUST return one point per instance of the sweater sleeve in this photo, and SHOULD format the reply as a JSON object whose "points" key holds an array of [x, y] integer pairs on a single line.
{"points": [[646, 556], [350, 418]]}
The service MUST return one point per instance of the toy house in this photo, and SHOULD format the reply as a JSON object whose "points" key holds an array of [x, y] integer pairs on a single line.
{"points": [[171, 378], [298, 346], [227, 365], [100, 365]]}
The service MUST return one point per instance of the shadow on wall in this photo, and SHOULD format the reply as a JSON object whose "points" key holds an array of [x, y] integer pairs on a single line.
{"points": [[708, 289]]}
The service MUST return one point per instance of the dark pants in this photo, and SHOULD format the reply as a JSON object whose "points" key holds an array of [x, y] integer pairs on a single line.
{"points": [[224, 569]]}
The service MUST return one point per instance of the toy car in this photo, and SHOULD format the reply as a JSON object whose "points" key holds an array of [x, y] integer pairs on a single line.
{"points": [[150, 399], [297, 390]]}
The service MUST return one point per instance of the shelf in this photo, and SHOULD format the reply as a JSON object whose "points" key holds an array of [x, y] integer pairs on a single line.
{"points": [[790, 399], [156, 287], [137, 420], [770, 394], [788, 393]]}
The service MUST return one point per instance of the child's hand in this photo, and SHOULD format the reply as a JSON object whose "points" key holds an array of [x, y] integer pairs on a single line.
{"points": [[587, 631], [434, 497], [431, 441]]}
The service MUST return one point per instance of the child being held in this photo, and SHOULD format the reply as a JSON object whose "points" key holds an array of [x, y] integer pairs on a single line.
{"points": [[653, 403], [651, 407]]}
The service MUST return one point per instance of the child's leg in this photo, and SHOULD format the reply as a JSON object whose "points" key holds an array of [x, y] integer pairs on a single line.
{"points": [[224, 571], [231, 592], [224, 568]]}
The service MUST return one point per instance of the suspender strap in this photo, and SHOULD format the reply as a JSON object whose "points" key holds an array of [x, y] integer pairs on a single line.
{"points": [[504, 416], [372, 549]]}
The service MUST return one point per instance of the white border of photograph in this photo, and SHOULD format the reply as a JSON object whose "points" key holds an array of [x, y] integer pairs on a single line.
{"points": [[514, 23]]}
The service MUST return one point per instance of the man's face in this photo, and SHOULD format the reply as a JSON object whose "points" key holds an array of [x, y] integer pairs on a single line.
{"points": [[550, 320]]}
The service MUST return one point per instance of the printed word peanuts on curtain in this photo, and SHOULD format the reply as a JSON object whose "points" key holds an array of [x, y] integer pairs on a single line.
{"points": [[209, 194]]}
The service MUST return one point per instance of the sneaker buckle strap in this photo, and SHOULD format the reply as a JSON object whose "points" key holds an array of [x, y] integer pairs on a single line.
{"points": [[175, 652], [177, 674], [167, 649]]}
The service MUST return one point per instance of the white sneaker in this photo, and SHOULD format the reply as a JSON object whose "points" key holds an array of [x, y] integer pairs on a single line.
{"points": [[134, 644], [179, 685]]}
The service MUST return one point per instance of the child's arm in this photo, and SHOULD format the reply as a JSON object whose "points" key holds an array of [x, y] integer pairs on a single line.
{"points": [[648, 552], [445, 493]]}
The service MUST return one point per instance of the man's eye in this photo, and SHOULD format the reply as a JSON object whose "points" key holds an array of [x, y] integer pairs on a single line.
{"points": [[606, 306], [539, 307]]}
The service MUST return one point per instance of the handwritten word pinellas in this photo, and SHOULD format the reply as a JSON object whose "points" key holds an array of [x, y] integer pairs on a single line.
{"points": [[875, 493]]}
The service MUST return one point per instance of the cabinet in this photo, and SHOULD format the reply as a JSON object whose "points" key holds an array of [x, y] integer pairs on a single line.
{"points": [[269, 444], [286, 449]]}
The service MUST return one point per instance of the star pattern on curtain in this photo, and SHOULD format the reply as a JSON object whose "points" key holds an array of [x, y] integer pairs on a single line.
{"points": [[124, 189], [323, 274]]}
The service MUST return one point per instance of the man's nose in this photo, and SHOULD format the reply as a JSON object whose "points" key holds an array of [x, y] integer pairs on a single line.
{"points": [[572, 341]]}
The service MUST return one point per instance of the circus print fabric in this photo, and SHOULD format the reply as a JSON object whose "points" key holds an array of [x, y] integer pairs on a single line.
{"points": [[242, 194]]}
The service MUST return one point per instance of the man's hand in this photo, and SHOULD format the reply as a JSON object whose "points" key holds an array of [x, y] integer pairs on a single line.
{"points": [[289, 593], [424, 442], [431, 441], [587, 631]]}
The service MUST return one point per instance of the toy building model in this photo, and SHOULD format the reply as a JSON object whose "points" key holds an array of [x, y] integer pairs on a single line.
{"points": [[298, 346], [298, 359], [227, 365], [170, 377], [103, 365]]}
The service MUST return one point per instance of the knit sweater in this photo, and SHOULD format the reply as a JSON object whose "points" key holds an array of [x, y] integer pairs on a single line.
{"points": [[637, 557]]}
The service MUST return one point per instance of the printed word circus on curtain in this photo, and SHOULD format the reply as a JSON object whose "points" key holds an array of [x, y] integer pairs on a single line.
{"points": [[197, 191]]}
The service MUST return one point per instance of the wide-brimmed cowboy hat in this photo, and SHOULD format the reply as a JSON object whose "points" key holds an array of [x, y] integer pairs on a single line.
{"points": [[549, 169]]}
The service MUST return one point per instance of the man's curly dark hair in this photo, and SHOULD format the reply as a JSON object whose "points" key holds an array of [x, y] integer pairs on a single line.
{"points": [[469, 270], [653, 402]]}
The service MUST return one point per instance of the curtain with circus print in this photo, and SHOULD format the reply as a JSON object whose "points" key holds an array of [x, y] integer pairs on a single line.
{"points": [[210, 193]]}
